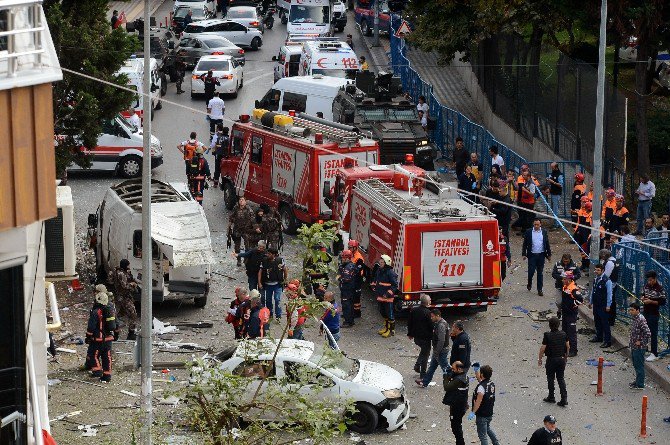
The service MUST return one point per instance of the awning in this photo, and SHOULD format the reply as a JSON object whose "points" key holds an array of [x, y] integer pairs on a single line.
{"points": [[183, 226]]}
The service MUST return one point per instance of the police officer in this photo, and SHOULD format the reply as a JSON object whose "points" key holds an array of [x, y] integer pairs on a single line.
{"points": [[483, 400], [564, 265], [548, 434], [271, 227], [456, 388], [241, 220], [346, 274], [571, 299], [361, 273], [198, 173], [385, 285], [180, 67], [100, 333], [125, 287], [600, 301], [555, 346], [218, 146]]}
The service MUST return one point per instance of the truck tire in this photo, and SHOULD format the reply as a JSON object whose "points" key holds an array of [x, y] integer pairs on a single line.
{"points": [[200, 301], [364, 420], [164, 84], [130, 166], [229, 195], [288, 220], [365, 28]]}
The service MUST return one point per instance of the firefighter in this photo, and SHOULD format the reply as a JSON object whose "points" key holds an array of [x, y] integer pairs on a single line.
{"points": [[236, 312], [295, 314], [314, 279], [583, 231], [504, 256], [241, 221], [560, 268], [361, 274], [125, 287], [100, 332], [271, 228], [211, 83], [198, 174], [188, 148], [346, 275], [385, 285], [620, 217], [571, 298], [256, 233], [91, 352], [577, 192]]}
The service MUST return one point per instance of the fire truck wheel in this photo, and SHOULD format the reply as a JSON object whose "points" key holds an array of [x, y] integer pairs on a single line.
{"points": [[200, 302], [288, 221], [229, 197]]}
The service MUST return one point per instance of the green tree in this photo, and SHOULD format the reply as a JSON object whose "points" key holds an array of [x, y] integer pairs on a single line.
{"points": [[85, 43]]}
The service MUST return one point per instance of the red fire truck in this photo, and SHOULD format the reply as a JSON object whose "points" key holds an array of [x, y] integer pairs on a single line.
{"points": [[288, 161], [440, 243]]}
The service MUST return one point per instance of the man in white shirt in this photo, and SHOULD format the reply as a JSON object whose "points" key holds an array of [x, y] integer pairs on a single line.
{"points": [[497, 160], [134, 118], [645, 192], [216, 109]]}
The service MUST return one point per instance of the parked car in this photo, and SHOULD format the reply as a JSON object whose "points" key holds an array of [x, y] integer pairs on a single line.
{"points": [[209, 4], [191, 49], [225, 68], [199, 13], [246, 15], [377, 390], [232, 30]]}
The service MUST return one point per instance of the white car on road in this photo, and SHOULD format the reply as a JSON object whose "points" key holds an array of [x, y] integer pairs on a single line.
{"points": [[232, 30], [210, 4], [246, 15], [377, 390], [225, 68]]}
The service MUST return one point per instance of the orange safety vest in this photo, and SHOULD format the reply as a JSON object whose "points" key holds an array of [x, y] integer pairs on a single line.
{"points": [[581, 188], [527, 197], [570, 290], [608, 204], [584, 218], [189, 150], [357, 256]]}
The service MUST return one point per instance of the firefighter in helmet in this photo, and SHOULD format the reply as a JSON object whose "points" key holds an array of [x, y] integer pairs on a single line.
{"points": [[346, 275], [361, 274], [583, 231], [577, 192], [198, 172], [571, 298], [100, 333], [385, 285]]}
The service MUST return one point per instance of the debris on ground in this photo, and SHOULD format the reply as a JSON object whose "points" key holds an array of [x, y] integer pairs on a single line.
{"points": [[65, 416], [69, 351], [171, 400], [541, 315], [594, 362], [521, 309], [128, 393], [161, 328]]}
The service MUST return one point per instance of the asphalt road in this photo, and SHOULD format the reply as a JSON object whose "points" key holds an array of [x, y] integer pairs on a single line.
{"points": [[503, 337]]}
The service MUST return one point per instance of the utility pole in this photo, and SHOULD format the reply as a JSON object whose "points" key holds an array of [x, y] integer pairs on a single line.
{"points": [[598, 149], [376, 23], [145, 332]]}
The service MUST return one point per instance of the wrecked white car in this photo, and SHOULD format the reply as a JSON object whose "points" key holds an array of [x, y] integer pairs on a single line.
{"points": [[377, 390], [180, 239]]}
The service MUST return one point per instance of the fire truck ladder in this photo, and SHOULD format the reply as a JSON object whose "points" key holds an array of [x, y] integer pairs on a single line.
{"points": [[331, 132], [391, 201]]}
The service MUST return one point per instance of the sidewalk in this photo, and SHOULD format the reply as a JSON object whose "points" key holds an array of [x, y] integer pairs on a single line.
{"points": [[132, 8]]}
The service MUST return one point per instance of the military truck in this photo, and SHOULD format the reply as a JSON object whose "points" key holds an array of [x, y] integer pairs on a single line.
{"points": [[375, 104]]}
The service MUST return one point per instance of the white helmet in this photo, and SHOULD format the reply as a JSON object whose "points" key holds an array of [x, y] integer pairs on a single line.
{"points": [[387, 259], [102, 298]]}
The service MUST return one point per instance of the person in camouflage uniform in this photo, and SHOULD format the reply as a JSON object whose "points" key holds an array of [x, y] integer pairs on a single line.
{"points": [[256, 233], [272, 228], [124, 297], [241, 223]]}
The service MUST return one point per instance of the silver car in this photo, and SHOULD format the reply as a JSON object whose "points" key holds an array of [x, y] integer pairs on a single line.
{"points": [[246, 15], [232, 30], [190, 49]]}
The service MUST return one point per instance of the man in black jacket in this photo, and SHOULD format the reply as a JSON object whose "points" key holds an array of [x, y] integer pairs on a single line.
{"points": [[456, 397], [555, 346], [565, 265], [460, 345], [420, 329], [536, 249], [547, 435], [253, 258]]}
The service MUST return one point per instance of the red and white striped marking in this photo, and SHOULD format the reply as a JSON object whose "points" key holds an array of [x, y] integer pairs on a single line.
{"points": [[478, 303]]}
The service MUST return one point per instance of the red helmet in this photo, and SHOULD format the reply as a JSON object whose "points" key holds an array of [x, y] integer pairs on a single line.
{"points": [[346, 254], [585, 199], [353, 243], [579, 177], [588, 206], [610, 192]]}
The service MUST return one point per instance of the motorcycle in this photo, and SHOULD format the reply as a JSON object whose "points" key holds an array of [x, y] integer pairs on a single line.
{"points": [[268, 18]]}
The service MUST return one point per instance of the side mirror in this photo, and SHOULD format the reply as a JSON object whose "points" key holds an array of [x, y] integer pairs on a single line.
{"points": [[274, 58], [326, 190], [92, 220]]}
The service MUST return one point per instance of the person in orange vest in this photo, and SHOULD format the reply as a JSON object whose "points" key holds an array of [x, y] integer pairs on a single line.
{"points": [[590, 193], [526, 196], [620, 217], [583, 231], [197, 174], [187, 148], [609, 206], [577, 193], [571, 299], [362, 271]]}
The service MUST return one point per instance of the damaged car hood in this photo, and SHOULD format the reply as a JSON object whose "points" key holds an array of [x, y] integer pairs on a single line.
{"points": [[378, 376]]}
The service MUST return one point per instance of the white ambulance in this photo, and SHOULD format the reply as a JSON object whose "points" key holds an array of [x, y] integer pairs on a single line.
{"points": [[329, 58], [309, 17], [134, 70]]}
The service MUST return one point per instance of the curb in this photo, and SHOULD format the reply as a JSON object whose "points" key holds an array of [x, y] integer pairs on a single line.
{"points": [[653, 370], [384, 64]]}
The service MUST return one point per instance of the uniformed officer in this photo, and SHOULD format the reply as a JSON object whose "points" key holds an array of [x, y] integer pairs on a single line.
{"points": [[556, 347], [564, 265], [124, 298], [197, 175], [600, 301], [219, 146], [572, 298], [346, 274], [241, 220], [577, 192], [100, 333], [385, 285], [547, 435], [583, 231]]}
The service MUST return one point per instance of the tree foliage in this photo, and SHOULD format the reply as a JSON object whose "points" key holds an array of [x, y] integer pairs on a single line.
{"points": [[85, 43]]}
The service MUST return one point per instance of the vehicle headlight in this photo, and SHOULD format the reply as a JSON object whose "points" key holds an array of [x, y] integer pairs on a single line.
{"points": [[392, 393], [424, 142]]}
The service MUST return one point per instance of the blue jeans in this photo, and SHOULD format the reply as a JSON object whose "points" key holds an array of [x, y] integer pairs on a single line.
{"points": [[484, 431], [555, 207], [536, 263], [442, 360], [253, 282], [643, 212], [652, 322], [272, 292], [638, 364]]}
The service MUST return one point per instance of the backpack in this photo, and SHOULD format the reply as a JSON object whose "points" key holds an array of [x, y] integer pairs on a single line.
{"points": [[189, 149]]}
